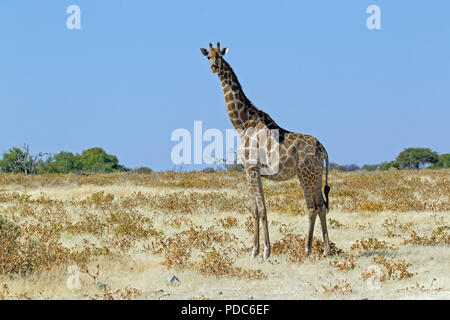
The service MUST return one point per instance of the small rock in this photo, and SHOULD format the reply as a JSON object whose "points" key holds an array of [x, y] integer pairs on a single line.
{"points": [[102, 285], [365, 299], [250, 297], [159, 292], [173, 280]]}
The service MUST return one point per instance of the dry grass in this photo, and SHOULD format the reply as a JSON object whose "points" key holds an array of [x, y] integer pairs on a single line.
{"points": [[131, 231]]}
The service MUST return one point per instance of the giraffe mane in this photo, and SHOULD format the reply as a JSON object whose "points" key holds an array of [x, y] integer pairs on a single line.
{"points": [[261, 114]]}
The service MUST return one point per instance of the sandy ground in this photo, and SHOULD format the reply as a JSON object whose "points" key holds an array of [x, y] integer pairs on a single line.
{"points": [[141, 270]]}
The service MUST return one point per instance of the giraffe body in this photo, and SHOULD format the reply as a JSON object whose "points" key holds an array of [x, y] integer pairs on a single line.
{"points": [[271, 152]]}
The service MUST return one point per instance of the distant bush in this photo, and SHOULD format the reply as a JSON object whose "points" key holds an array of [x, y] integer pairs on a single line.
{"points": [[97, 160], [344, 167], [370, 167], [236, 167], [208, 170], [443, 162], [143, 170], [389, 165], [20, 160]]}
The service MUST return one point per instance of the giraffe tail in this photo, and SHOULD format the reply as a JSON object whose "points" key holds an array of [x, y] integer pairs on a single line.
{"points": [[326, 189]]}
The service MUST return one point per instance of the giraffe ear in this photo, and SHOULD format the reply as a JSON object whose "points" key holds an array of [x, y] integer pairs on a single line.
{"points": [[224, 51], [204, 52]]}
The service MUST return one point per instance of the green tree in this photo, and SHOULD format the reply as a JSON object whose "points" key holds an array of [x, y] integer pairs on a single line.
{"points": [[389, 165], [10, 160], [414, 158], [97, 160], [63, 162], [20, 160], [443, 162], [66, 162]]}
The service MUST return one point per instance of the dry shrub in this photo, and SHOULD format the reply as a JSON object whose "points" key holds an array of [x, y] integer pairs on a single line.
{"points": [[287, 200], [249, 224], [176, 253], [335, 224], [228, 222], [422, 288], [394, 228], [179, 221], [438, 237], [293, 245], [398, 190], [371, 244], [341, 287], [5, 293], [203, 238], [347, 262], [194, 237], [100, 200], [213, 263], [391, 270], [346, 193], [178, 248], [182, 202], [26, 249], [132, 224], [35, 247], [372, 206], [127, 293], [168, 179]]}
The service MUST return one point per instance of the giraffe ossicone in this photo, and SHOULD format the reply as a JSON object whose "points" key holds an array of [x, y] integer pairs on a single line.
{"points": [[271, 152]]}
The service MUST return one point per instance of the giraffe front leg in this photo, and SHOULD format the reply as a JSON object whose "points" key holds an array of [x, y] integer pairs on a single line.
{"points": [[255, 250], [256, 189], [263, 215], [253, 189]]}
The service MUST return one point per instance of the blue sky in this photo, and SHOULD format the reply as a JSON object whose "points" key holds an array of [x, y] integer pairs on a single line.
{"points": [[134, 73]]}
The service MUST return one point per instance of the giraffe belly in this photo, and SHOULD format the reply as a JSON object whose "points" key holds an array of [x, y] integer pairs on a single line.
{"points": [[283, 173], [279, 163]]}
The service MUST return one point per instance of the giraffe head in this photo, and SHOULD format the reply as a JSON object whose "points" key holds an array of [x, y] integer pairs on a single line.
{"points": [[214, 56]]}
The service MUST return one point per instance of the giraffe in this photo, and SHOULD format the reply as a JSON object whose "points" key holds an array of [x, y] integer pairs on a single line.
{"points": [[271, 152]]}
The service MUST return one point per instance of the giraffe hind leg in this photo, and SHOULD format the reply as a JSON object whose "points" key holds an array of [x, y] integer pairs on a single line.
{"points": [[316, 206], [312, 207], [323, 219]]}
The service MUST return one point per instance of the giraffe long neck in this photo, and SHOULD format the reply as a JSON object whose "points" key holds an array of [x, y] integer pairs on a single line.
{"points": [[239, 108]]}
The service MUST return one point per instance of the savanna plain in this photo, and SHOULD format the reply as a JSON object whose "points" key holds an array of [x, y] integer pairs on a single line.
{"points": [[123, 234]]}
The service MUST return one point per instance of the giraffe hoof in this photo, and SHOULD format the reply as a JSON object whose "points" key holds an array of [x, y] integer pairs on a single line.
{"points": [[266, 253], [255, 252], [307, 251]]}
